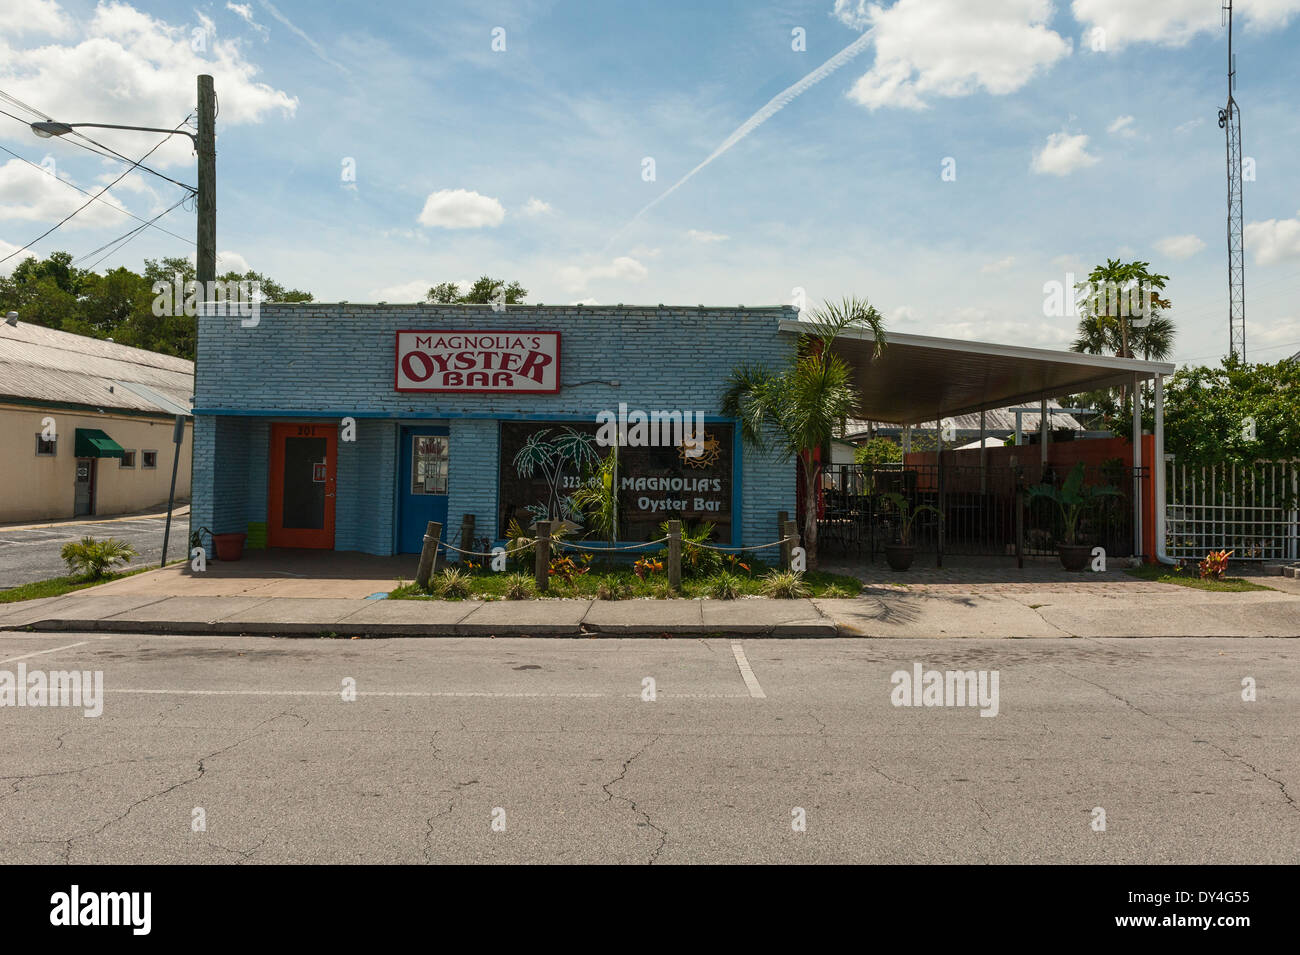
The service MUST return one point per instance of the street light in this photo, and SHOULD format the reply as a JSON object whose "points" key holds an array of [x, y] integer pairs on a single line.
{"points": [[205, 144], [47, 130]]}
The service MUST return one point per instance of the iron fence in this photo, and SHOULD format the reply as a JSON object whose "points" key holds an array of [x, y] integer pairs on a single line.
{"points": [[985, 511]]}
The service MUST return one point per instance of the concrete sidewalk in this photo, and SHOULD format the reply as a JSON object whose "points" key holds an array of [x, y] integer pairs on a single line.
{"points": [[1173, 612]]}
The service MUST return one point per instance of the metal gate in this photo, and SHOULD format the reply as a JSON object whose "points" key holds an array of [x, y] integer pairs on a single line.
{"points": [[986, 511], [1249, 509]]}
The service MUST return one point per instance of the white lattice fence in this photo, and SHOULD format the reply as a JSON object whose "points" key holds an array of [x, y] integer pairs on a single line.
{"points": [[1250, 509]]}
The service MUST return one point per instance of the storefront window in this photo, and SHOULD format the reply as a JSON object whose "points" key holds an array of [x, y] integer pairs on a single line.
{"points": [[428, 464]]}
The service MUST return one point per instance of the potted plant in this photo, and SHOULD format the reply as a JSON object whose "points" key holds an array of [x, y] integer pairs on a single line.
{"points": [[1071, 498], [901, 554]]}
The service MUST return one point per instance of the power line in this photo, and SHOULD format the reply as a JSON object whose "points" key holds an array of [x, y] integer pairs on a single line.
{"points": [[123, 239], [84, 204], [73, 185]]}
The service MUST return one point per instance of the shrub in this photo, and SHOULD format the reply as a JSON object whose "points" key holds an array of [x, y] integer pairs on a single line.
{"points": [[697, 560], [1214, 564], [451, 584], [785, 585], [93, 559], [723, 586], [661, 590], [519, 587], [839, 591], [610, 590]]}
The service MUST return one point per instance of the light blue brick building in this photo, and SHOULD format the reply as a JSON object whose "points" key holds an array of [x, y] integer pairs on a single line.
{"points": [[276, 457]]}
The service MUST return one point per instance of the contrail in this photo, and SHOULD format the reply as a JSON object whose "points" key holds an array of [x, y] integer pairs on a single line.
{"points": [[315, 47], [772, 107]]}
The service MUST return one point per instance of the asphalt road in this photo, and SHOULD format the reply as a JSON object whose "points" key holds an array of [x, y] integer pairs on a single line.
{"points": [[31, 554], [554, 739]]}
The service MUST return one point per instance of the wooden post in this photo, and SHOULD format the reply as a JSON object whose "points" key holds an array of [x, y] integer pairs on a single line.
{"points": [[675, 555], [428, 555], [782, 519], [792, 533], [467, 533], [542, 561]]}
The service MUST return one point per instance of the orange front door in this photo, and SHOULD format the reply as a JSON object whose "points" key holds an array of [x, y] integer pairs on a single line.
{"points": [[301, 511]]}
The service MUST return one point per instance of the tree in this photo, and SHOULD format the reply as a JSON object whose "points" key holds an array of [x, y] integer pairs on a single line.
{"points": [[482, 292], [1121, 314], [797, 409], [1234, 413], [117, 304], [878, 451]]}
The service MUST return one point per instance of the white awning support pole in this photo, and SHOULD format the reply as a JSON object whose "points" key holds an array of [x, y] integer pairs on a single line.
{"points": [[984, 454], [1043, 431], [1159, 465], [907, 438], [1137, 464]]}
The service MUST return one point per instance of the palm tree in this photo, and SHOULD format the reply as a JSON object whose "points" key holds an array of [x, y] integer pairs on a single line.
{"points": [[797, 409], [1121, 314]]}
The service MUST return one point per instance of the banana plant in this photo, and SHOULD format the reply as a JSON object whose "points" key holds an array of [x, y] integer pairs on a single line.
{"points": [[1072, 497], [907, 515]]}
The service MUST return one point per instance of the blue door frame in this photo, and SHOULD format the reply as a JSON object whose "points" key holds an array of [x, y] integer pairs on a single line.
{"points": [[416, 507]]}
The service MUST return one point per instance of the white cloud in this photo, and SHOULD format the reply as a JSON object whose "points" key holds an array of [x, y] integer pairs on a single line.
{"points": [[245, 13], [229, 261], [7, 249], [413, 291], [696, 235], [576, 278], [1122, 126], [536, 207], [1001, 265], [1063, 154], [585, 301], [461, 209], [1173, 22], [929, 48], [1189, 125], [644, 252], [1274, 240], [129, 68], [33, 16], [28, 194], [1180, 246]]}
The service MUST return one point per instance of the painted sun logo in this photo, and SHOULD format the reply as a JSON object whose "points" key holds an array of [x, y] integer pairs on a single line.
{"points": [[710, 452]]}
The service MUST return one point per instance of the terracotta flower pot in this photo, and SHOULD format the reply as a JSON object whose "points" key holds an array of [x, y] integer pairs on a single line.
{"points": [[1074, 556], [229, 546], [900, 556]]}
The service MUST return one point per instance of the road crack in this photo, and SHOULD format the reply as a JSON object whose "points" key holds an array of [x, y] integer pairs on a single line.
{"points": [[610, 796]]}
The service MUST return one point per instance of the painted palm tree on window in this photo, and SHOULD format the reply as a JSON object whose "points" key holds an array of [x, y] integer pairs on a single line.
{"points": [[568, 450], [794, 411]]}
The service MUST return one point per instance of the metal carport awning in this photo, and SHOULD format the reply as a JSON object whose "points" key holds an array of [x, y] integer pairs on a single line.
{"points": [[920, 378], [93, 443]]}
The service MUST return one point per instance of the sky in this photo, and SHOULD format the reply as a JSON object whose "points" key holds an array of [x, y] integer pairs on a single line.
{"points": [[947, 160]]}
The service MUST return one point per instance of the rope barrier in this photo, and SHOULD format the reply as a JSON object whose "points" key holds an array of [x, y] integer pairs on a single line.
{"points": [[557, 542], [478, 553], [610, 550], [737, 550]]}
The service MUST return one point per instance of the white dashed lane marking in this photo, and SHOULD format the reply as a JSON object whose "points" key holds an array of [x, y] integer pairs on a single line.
{"points": [[746, 673]]}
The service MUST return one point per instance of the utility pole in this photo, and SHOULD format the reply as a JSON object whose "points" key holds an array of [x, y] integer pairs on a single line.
{"points": [[206, 256]]}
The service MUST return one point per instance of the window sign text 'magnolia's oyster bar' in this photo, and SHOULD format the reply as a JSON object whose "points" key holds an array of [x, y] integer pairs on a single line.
{"points": [[478, 361]]}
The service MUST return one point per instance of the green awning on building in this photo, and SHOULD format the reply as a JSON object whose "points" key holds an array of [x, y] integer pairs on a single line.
{"points": [[93, 443]]}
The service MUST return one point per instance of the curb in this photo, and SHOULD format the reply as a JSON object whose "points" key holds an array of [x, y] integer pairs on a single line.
{"points": [[253, 629]]}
